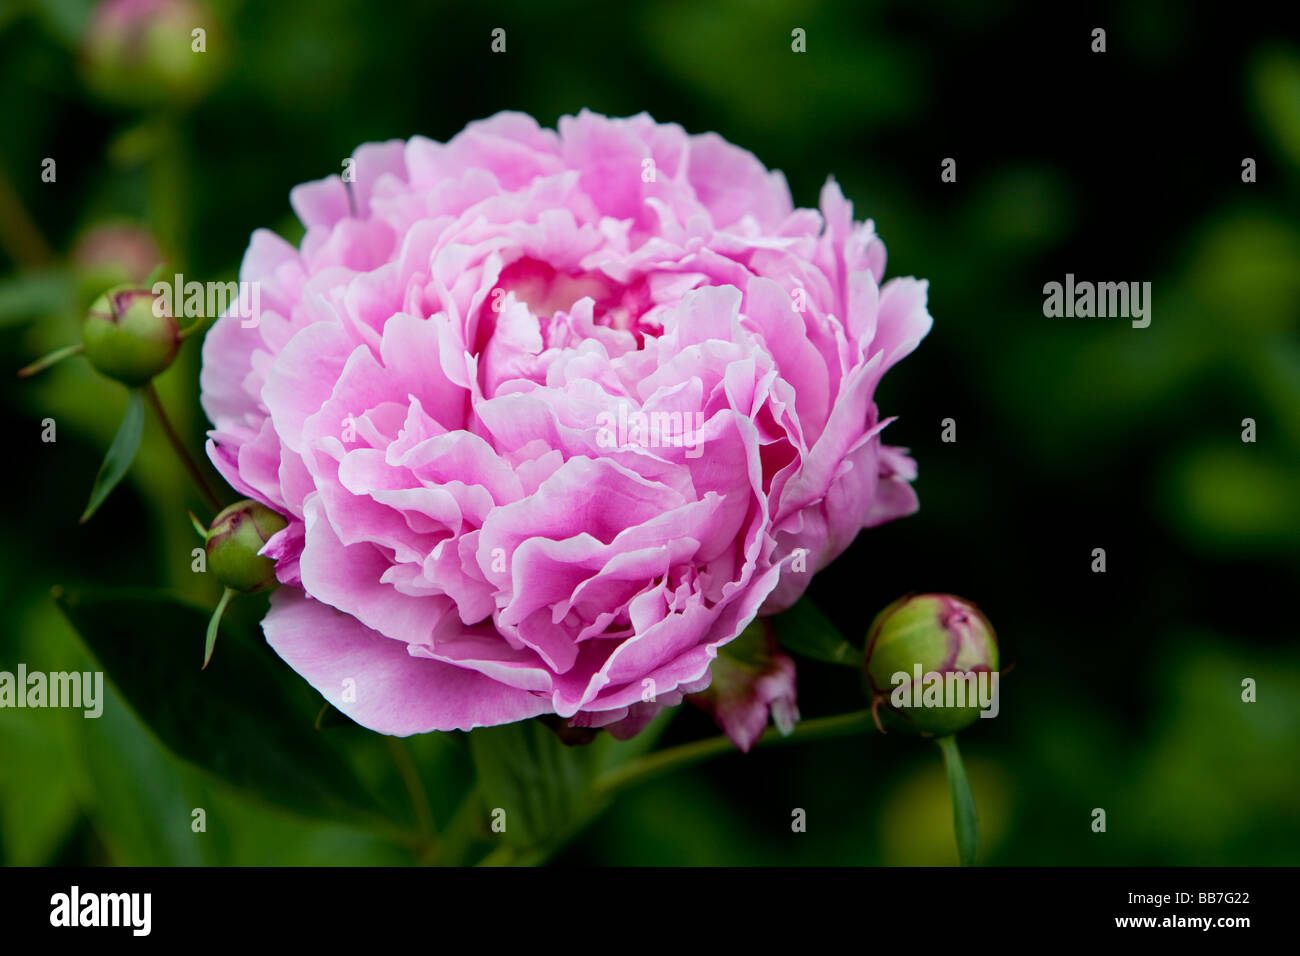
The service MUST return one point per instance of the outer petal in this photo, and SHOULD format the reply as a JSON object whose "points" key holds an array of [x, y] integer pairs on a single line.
{"points": [[377, 683]]}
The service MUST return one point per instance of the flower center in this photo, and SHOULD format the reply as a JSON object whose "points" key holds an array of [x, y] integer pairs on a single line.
{"points": [[547, 291]]}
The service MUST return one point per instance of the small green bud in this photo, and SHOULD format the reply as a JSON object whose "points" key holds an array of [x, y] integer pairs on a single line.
{"points": [[129, 335], [234, 540], [151, 53], [110, 254], [933, 659]]}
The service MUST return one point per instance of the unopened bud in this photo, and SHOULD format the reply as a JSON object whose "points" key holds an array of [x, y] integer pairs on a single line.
{"points": [[129, 336], [144, 52], [234, 540], [110, 254], [933, 659]]}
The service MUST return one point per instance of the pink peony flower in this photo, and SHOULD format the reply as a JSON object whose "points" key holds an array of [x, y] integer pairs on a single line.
{"points": [[553, 416]]}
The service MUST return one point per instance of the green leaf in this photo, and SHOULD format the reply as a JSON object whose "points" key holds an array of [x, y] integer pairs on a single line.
{"points": [[542, 785], [120, 454], [36, 789], [805, 630], [965, 823], [234, 719], [137, 794], [210, 642]]}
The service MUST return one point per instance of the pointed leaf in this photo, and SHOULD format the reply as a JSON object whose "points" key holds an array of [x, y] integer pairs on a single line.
{"points": [[120, 454], [214, 622], [965, 822], [46, 361]]}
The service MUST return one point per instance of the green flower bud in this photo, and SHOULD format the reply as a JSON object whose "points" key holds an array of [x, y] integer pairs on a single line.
{"points": [[129, 336], [234, 540], [933, 659], [110, 254], [145, 53]]}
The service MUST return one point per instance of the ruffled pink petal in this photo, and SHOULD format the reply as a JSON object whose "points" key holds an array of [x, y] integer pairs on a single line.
{"points": [[377, 683]]}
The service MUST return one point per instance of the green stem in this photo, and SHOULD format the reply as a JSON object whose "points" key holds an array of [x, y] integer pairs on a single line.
{"points": [[465, 828], [965, 822], [178, 446], [460, 833], [414, 788], [676, 758], [420, 846]]}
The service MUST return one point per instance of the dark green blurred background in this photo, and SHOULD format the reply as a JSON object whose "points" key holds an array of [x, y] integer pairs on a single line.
{"points": [[1072, 434]]}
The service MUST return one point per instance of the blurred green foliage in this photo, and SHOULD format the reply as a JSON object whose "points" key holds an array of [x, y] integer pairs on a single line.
{"points": [[1071, 434]]}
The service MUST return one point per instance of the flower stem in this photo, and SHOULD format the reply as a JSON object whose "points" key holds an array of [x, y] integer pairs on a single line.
{"points": [[414, 788], [684, 755], [463, 831], [460, 833], [178, 446], [965, 823]]}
